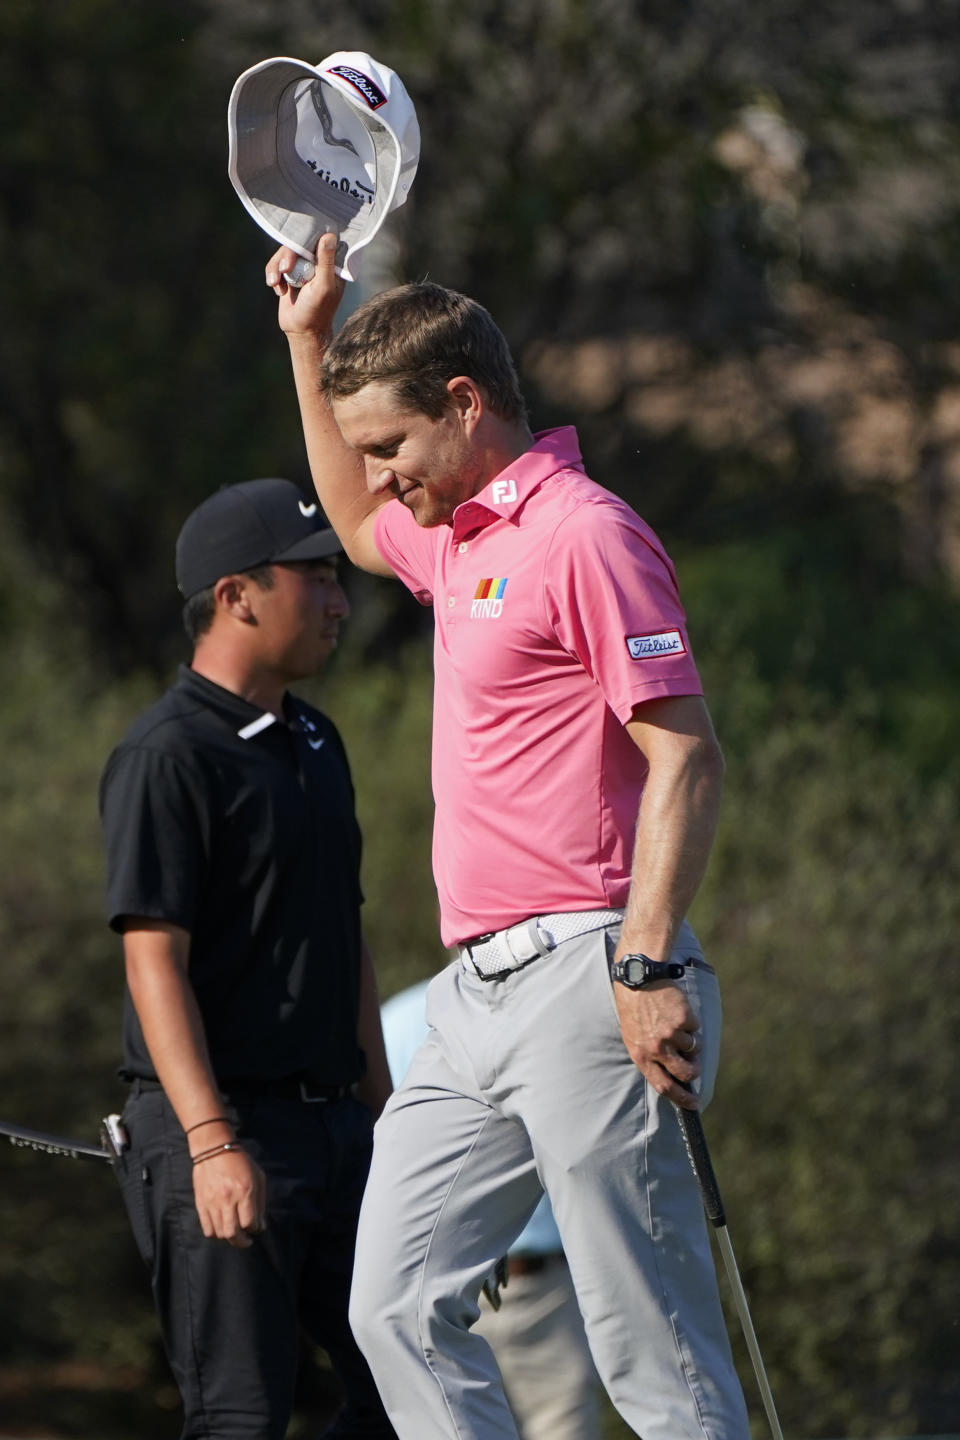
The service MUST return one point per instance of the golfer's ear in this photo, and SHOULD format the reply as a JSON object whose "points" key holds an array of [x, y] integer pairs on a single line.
{"points": [[232, 596], [467, 398]]}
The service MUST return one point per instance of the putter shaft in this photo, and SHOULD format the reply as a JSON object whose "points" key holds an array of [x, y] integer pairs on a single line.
{"points": [[749, 1334], [696, 1143]]}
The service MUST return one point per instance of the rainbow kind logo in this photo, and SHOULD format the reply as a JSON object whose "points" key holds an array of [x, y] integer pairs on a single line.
{"points": [[488, 601]]}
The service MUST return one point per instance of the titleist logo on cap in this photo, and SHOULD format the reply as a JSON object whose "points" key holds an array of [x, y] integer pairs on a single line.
{"points": [[373, 95]]}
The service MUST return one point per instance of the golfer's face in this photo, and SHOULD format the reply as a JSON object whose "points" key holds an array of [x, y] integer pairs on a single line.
{"points": [[428, 465], [298, 617]]}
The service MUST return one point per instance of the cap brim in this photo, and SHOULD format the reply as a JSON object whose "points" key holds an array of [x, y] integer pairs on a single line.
{"points": [[321, 545]]}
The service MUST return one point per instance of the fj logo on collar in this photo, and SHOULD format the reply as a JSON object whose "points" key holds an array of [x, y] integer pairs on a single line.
{"points": [[503, 492], [653, 647], [487, 603], [307, 511]]}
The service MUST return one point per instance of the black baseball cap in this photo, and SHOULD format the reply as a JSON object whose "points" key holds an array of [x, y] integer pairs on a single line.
{"points": [[254, 523]]}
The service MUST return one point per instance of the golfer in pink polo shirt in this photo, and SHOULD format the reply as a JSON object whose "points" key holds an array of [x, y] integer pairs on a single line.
{"points": [[577, 781]]}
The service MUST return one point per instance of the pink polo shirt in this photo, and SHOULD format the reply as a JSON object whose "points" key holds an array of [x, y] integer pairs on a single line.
{"points": [[557, 612]]}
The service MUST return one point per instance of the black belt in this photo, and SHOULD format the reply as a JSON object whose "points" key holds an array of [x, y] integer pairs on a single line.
{"points": [[291, 1087]]}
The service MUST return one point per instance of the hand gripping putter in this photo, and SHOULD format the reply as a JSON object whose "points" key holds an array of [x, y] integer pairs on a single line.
{"points": [[696, 1143]]}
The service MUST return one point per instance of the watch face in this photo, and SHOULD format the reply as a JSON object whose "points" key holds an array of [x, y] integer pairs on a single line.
{"points": [[633, 970]]}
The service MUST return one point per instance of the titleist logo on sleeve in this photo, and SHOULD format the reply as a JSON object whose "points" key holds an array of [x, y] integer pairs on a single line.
{"points": [[651, 647], [373, 95]]}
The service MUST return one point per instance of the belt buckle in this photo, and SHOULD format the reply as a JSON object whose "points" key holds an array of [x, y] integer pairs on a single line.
{"points": [[311, 1099], [466, 952]]}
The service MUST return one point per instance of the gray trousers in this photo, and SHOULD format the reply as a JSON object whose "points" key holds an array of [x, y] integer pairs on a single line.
{"points": [[524, 1082]]}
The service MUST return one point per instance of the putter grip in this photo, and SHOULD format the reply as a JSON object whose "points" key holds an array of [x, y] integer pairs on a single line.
{"points": [[696, 1143]]}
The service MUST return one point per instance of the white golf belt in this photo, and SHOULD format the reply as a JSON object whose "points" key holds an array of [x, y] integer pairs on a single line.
{"points": [[516, 946]]}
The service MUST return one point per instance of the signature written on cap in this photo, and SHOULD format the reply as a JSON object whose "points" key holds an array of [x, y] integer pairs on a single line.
{"points": [[349, 187]]}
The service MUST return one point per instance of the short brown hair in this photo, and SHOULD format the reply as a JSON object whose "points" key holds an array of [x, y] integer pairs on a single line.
{"points": [[418, 337]]}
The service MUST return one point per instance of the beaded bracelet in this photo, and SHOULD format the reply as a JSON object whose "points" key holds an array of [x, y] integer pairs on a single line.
{"points": [[212, 1121], [215, 1150]]}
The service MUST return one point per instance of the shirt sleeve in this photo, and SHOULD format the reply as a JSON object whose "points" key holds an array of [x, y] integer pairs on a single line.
{"points": [[157, 848], [612, 599], [409, 549]]}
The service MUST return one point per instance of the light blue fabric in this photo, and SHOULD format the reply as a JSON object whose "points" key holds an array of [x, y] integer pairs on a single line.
{"points": [[404, 1031]]}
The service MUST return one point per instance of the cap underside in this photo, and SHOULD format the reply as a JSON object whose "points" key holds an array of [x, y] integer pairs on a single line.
{"points": [[307, 160]]}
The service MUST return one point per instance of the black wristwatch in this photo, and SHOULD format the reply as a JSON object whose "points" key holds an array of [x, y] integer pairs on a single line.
{"points": [[635, 971]]}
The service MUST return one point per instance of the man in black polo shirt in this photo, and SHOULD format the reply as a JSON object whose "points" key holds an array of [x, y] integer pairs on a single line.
{"points": [[251, 1025]]}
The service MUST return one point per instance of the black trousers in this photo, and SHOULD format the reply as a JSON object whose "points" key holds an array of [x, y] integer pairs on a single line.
{"points": [[231, 1318]]}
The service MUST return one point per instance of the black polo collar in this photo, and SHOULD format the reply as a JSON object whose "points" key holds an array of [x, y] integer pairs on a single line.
{"points": [[248, 720]]}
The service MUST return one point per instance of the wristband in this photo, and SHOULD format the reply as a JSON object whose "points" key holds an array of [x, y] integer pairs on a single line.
{"points": [[215, 1150], [212, 1121]]}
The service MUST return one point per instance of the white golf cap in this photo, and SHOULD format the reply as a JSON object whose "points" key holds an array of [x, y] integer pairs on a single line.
{"points": [[316, 148]]}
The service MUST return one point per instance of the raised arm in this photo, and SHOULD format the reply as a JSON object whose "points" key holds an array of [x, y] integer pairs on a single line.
{"points": [[306, 318]]}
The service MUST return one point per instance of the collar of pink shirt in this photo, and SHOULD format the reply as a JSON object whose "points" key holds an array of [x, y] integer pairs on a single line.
{"points": [[505, 495]]}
